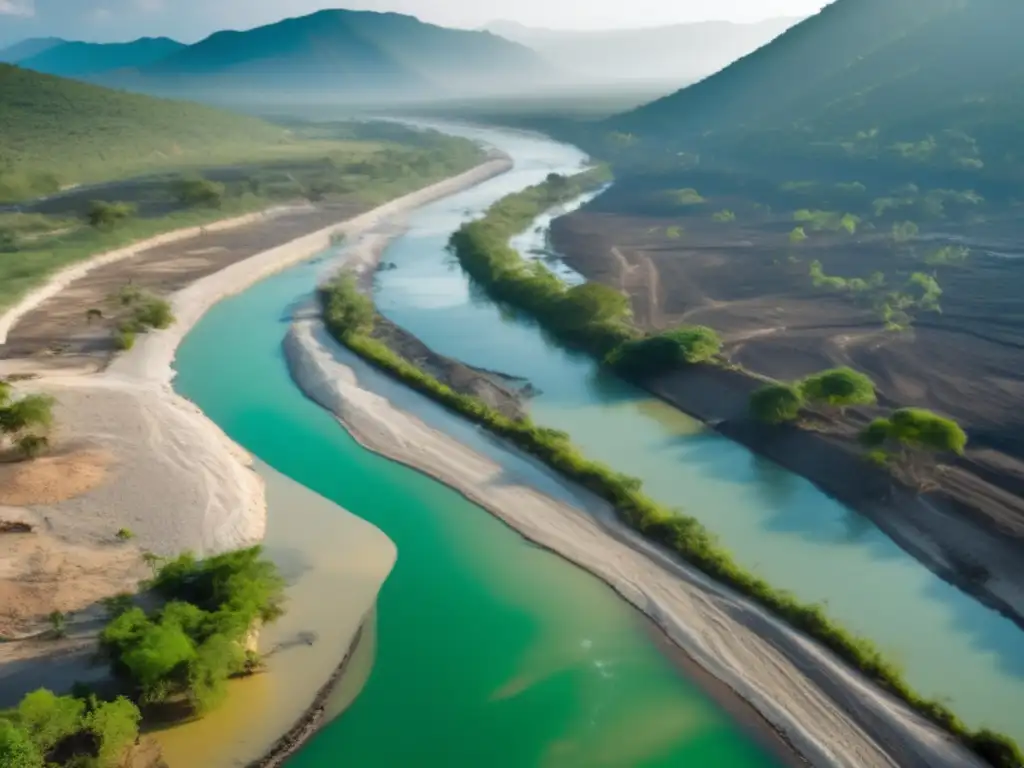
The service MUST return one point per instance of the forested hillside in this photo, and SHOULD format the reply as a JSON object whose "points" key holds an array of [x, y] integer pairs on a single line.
{"points": [[932, 85]]}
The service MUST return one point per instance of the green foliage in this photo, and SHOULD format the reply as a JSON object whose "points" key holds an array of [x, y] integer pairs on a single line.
{"points": [[776, 403], [195, 191], [665, 351], [591, 316], [59, 624], [124, 339], [107, 216], [32, 446], [347, 310], [48, 719], [674, 233], [925, 291], [195, 643], [838, 387], [679, 533], [115, 725], [916, 429], [51, 730], [948, 256], [724, 216], [904, 231], [798, 235], [125, 534], [685, 197], [17, 750], [24, 421]]}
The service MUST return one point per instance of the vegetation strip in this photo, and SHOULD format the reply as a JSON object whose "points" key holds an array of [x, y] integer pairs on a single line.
{"points": [[178, 656], [484, 243]]}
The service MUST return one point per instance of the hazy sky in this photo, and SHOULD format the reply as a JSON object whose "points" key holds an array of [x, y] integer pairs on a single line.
{"points": [[190, 20]]}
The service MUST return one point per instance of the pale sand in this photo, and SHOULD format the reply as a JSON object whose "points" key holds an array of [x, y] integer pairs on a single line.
{"points": [[175, 479], [335, 564], [832, 715]]}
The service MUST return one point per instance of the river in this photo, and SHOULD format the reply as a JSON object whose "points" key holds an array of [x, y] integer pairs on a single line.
{"points": [[490, 651]]}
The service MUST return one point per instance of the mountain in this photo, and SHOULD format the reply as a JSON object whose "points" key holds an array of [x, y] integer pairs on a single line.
{"points": [[353, 53], [56, 132], [74, 59], [936, 83], [680, 52], [27, 48]]}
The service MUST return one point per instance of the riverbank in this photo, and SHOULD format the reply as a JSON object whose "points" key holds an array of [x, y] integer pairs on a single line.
{"points": [[163, 447], [966, 527], [830, 713]]}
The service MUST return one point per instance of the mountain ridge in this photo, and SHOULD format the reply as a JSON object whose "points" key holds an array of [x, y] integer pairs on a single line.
{"points": [[81, 59]]}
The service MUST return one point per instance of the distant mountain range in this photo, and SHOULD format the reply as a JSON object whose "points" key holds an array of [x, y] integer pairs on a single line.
{"points": [[680, 52], [75, 59], [28, 48], [361, 54]]}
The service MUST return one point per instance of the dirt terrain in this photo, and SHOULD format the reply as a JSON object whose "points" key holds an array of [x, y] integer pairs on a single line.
{"points": [[751, 284], [58, 330]]}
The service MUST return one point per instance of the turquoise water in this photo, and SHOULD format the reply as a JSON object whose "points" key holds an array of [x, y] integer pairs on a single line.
{"points": [[491, 652], [776, 523]]}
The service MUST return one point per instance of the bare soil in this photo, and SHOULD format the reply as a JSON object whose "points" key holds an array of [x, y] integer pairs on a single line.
{"points": [[751, 285], [58, 331]]}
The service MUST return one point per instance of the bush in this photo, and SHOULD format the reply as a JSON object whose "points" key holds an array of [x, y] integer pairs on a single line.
{"points": [[125, 534], [776, 403], [106, 216], [197, 191], [124, 339], [839, 388], [195, 643], [916, 429], [688, 344], [51, 730]]}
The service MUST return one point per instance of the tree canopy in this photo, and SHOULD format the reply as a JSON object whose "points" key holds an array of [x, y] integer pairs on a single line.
{"points": [[916, 429], [776, 403], [838, 387], [665, 351]]}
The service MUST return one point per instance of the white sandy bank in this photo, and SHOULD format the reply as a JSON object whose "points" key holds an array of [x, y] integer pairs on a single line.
{"points": [[830, 713]]}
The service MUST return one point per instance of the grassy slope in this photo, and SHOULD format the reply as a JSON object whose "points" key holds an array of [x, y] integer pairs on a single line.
{"points": [[57, 130], [374, 163]]}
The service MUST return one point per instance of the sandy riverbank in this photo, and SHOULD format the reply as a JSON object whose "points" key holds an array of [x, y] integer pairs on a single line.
{"points": [[830, 714], [168, 474]]}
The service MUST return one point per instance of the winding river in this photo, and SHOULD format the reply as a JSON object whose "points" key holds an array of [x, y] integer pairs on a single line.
{"points": [[493, 652]]}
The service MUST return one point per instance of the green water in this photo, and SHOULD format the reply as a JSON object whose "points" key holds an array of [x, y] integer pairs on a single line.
{"points": [[776, 523], [491, 651]]}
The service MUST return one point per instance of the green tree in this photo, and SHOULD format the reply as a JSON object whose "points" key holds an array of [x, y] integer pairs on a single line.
{"points": [[776, 403], [838, 388], [17, 750], [798, 235], [106, 216], [592, 303], [667, 350], [199, 192], [22, 420], [115, 724], [347, 311], [914, 436], [48, 718]]}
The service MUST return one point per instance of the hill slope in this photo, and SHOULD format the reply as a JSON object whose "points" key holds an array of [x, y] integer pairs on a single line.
{"points": [[935, 83], [680, 52], [82, 59], [56, 132], [26, 48], [347, 52]]}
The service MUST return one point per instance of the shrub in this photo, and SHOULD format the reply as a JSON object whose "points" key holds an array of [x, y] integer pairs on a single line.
{"points": [[656, 354], [916, 429], [199, 192], [724, 217], [839, 388], [798, 235], [776, 403], [124, 339], [125, 534], [106, 216], [33, 446], [192, 645]]}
